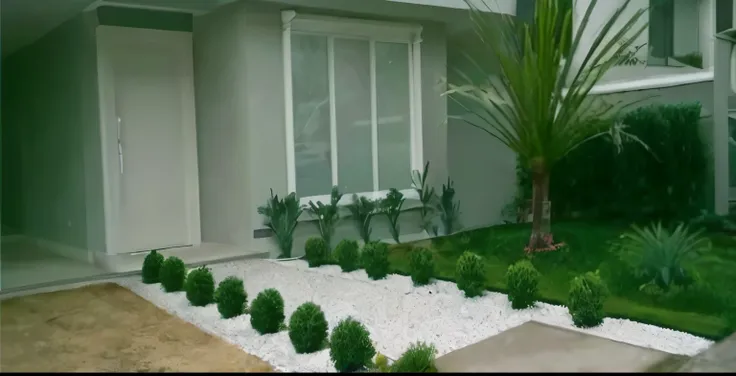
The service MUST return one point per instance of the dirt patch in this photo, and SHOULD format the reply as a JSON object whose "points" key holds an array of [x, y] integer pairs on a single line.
{"points": [[107, 328]]}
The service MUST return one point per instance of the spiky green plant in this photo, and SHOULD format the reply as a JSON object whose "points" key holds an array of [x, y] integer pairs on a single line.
{"points": [[282, 217], [362, 209], [427, 198], [391, 207], [448, 208], [327, 215], [534, 99], [660, 256]]}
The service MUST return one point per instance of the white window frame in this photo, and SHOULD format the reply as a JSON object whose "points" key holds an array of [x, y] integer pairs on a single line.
{"points": [[373, 31]]}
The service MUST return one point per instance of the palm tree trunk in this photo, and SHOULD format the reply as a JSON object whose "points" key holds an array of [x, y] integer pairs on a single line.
{"points": [[540, 236]]}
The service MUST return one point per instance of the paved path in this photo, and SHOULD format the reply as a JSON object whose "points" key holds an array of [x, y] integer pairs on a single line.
{"points": [[537, 347], [719, 358]]}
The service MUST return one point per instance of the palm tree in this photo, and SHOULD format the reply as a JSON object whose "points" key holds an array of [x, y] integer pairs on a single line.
{"points": [[538, 103]]}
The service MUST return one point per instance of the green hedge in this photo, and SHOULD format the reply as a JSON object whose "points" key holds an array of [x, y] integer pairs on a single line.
{"points": [[595, 181]]}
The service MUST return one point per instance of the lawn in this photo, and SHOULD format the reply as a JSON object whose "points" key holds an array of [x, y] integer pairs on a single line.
{"points": [[696, 311]]}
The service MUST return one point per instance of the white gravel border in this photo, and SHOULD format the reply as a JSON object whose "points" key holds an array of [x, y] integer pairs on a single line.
{"points": [[395, 312]]}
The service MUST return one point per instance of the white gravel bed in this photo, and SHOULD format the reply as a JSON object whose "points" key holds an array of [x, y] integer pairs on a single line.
{"points": [[395, 312]]}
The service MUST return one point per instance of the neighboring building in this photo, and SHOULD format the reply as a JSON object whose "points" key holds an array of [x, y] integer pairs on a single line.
{"points": [[134, 126]]}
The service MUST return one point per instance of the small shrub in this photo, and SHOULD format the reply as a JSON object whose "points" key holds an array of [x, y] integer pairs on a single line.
{"points": [[231, 297], [375, 260], [470, 274], [347, 255], [173, 274], [152, 267], [522, 280], [421, 264], [267, 312], [308, 328], [585, 302], [350, 346], [316, 252], [418, 358], [200, 287]]}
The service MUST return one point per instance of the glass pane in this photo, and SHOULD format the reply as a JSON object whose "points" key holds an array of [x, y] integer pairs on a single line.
{"points": [[311, 115], [392, 85], [353, 115], [674, 33]]}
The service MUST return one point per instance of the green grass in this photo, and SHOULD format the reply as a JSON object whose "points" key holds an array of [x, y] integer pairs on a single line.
{"points": [[698, 313]]}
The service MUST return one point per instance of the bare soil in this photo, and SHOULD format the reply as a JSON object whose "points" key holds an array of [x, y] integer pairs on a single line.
{"points": [[107, 328]]}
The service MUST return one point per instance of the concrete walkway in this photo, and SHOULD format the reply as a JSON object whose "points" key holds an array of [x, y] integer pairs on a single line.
{"points": [[537, 347], [719, 358]]}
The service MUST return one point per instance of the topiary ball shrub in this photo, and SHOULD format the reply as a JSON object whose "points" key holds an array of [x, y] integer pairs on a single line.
{"points": [[421, 265], [522, 280], [173, 274], [347, 255], [308, 328], [418, 358], [316, 251], [351, 348], [585, 301], [375, 260], [152, 267], [267, 312], [200, 287], [470, 274], [231, 297]]}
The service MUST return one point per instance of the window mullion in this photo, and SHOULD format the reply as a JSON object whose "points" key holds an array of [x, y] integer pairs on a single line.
{"points": [[374, 115], [333, 114]]}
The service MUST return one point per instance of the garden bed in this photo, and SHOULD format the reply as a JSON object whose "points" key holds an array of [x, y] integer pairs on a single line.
{"points": [[394, 311], [699, 312]]}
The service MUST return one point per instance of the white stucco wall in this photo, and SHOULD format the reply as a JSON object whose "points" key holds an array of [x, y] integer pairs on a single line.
{"points": [[52, 185], [240, 113], [695, 26]]}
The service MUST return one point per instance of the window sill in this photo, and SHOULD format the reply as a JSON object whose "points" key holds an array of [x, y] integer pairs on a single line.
{"points": [[657, 82], [347, 199]]}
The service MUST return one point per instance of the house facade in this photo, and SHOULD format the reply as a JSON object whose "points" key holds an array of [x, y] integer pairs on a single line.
{"points": [[138, 125]]}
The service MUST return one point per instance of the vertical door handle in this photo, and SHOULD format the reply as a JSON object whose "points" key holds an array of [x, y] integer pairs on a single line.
{"points": [[120, 146]]}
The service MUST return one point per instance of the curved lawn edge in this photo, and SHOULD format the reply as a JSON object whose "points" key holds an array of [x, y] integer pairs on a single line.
{"points": [[674, 318]]}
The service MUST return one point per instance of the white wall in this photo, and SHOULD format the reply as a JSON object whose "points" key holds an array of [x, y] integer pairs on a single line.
{"points": [[694, 27], [240, 113], [50, 115]]}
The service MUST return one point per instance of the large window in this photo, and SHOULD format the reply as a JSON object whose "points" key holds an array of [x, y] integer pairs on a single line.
{"points": [[354, 96], [674, 33]]}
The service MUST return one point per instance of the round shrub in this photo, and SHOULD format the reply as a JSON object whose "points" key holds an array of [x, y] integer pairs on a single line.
{"points": [[307, 328], [470, 274], [200, 287], [421, 265], [316, 252], [522, 280], [585, 302], [375, 260], [418, 358], [347, 255], [350, 346], [231, 297], [152, 267], [173, 274], [267, 312]]}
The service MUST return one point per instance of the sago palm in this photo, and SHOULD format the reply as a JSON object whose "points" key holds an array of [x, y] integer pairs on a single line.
{"points": [[533, 99]]}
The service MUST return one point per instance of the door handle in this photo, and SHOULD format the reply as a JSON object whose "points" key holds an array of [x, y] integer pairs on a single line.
{"points": [[120, 146]]}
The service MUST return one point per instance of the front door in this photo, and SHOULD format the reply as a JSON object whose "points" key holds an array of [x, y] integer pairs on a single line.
{"points": [[152, 169]]}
